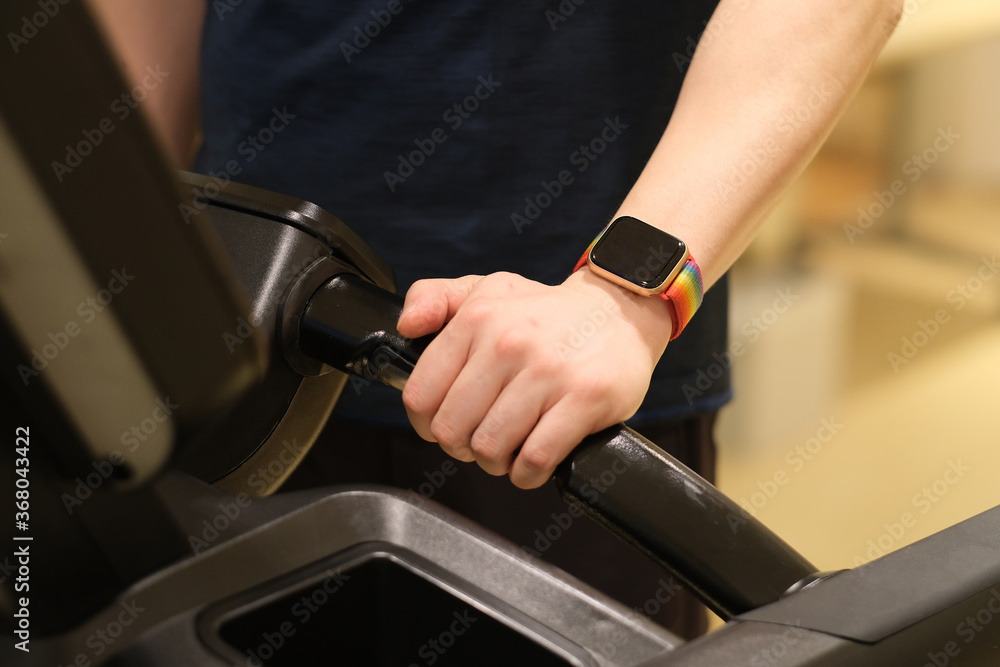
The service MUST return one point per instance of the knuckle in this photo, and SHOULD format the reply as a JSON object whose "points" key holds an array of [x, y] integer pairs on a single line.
{"points": [[412, 398], [492, 423], [445, 432], [512, 344], [487, 446], [526, 481], [420, 288], [418, 285], [477, 312], [508, 279], [593, 389], [500, 283], [500, 278], [536, 460], [545, 367]]}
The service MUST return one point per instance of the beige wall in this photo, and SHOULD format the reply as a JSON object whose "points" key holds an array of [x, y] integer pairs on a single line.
{"points": [[842, 448]]}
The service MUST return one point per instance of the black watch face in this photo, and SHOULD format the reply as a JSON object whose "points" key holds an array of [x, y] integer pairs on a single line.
{"points": [[638, 252]]}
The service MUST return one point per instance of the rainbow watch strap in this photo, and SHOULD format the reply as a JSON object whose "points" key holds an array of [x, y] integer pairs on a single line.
{"points": [[683, 297]]}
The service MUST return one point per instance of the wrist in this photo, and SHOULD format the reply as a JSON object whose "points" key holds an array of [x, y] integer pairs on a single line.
{"points": [[649, 262], [650, 317]]}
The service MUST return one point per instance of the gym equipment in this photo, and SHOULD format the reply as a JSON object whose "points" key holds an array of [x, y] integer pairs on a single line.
{"points": [[172, 344]]}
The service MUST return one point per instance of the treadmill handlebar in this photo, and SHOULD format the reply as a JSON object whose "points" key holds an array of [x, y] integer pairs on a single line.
{"points": [[731, 561]]}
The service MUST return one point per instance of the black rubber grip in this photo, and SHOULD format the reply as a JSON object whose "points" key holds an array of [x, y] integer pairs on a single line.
{"points": [[731, 561], [350, 324]]}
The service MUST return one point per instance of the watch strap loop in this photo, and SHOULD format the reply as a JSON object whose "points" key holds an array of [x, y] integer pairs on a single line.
{"points": [[684, 296]]}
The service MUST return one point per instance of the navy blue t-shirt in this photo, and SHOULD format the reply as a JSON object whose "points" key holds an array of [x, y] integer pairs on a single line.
{"points": [[461, 137]]}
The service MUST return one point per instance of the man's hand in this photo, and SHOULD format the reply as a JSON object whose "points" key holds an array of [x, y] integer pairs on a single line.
{"points": [[523, 371]]}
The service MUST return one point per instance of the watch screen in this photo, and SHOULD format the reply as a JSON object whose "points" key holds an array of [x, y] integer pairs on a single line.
{"points": [[638, 252]]}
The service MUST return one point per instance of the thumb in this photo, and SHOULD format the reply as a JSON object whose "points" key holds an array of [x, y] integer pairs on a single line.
{"points": [[430, 304]]}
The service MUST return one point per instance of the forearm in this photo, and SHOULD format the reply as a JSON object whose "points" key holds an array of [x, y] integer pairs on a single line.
{"points": [[163, 35], [764, 89]]}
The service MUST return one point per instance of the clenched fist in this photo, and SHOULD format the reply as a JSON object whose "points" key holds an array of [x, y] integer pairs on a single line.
{"points": [[522, 371]]}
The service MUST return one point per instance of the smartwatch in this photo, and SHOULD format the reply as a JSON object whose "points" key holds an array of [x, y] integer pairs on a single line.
{"points": [[650, 262]]}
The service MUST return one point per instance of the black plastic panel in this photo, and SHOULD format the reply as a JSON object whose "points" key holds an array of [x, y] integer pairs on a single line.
{"points": [[550, 607], [269, 257], [896, 591], [305, 216]]}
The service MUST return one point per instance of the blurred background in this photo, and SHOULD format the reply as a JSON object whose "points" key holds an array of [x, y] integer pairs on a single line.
{"points": [[867, 364]]}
